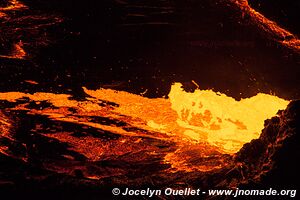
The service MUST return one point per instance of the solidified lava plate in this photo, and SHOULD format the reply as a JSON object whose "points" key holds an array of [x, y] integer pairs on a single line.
{"points": [[147, 94]]}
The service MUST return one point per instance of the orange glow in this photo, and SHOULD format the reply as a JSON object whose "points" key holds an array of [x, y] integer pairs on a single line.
{"points": [[5, 126], [17, 21], [31, 82], [204, 122], [272, 29], [18, 51], [13, 5]]}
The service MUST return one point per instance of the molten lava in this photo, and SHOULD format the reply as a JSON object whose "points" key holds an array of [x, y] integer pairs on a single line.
{"points": [[221, 120], [204, 122]]}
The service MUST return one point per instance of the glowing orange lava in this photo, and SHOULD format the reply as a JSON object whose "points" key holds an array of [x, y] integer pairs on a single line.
{"points": [[17, 53], [203, 117], [13, 5]]}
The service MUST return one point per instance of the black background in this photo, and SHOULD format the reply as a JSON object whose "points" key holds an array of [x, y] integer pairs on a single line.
{"points": [[137, 45]]}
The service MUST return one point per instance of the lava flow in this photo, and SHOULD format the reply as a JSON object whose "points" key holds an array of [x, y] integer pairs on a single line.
{"points": [[203, 123]]}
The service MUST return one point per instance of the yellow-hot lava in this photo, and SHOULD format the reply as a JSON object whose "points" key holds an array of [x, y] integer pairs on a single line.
{"points": [[221, 120]]}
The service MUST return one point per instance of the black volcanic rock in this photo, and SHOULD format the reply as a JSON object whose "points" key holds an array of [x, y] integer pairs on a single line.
{"points": [[273, 159]]}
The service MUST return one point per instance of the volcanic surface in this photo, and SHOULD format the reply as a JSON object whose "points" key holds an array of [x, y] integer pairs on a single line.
{"points": [[94, 144], [148, 94]]}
